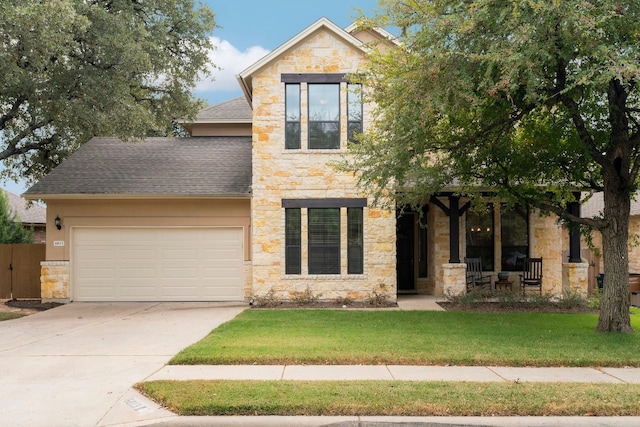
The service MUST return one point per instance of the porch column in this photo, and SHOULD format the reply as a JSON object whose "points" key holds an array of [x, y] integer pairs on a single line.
{"points": [[574, 232], [454, 229]]}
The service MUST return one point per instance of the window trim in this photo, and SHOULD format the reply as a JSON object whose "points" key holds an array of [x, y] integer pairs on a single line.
{"points": [[313, 77], [325, 203]]}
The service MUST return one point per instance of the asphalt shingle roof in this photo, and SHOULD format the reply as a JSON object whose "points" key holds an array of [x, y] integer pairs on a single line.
{"points": [[198, 166], [235, 109], [26, 212]]}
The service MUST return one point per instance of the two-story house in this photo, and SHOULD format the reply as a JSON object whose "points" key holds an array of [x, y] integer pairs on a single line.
{"points": [[250, 204]]}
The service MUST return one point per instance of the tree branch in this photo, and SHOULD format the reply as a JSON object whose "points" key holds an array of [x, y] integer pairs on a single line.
{"points": [[13, 112]]}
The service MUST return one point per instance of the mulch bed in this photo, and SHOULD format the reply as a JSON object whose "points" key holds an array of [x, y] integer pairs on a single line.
{"points": [[323, 304], [515, 307], [33, 304]]}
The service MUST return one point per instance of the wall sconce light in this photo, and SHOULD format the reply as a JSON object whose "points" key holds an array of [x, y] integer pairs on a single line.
{"points": [[58, 222]]}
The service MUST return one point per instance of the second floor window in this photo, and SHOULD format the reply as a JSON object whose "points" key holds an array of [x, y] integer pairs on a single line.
{"points": [[324, 115], [354, 111], [292, 112]]}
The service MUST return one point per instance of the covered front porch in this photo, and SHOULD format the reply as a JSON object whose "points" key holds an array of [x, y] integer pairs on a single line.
{"points": [[432, 244]]}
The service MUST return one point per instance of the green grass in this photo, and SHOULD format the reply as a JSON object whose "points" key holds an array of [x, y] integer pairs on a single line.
{"points": [[414, 338], [393, 398], [9, 316]]}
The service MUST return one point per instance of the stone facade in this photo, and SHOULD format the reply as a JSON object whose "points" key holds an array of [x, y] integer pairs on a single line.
{"points": [[307, 174], [54, 281]]}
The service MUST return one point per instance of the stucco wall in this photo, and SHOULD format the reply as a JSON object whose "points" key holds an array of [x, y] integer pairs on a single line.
{"points": [[55, 271], [306, 174], [141, 213], [217, 129]]}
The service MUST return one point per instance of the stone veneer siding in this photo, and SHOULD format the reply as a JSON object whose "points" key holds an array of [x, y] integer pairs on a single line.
{"points": [[306, 174], [54, 281]]}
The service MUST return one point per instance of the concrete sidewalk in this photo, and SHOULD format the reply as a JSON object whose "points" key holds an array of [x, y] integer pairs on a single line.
{"points": [[396, 372], [160, 417]]}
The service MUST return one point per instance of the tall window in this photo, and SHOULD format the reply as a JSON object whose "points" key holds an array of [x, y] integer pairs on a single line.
{"points": [[324, 241], [480, 233], [515, 236], [354, 241], [324, 115], [293, 241], [292, 132], [354, 111], [324, 237]]}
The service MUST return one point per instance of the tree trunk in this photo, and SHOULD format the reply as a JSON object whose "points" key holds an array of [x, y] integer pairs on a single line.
{"points": [[614, 308]]}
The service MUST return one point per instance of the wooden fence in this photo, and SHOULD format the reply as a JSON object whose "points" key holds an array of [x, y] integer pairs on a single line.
{"points": [[20, 270]]}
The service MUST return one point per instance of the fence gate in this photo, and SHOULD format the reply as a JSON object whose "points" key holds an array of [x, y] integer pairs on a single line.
{"points": [[20, 270]]}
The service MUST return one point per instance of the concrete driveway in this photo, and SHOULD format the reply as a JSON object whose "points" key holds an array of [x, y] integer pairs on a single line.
{"points": [[74, 365]]}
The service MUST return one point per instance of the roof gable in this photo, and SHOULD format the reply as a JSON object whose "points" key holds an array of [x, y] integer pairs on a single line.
{"points": [[245, 77]]}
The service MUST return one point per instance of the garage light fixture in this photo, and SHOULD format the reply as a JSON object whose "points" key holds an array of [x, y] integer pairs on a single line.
{"points": [[58, 222]]}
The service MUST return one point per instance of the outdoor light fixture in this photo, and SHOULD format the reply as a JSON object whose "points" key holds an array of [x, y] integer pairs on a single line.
{"points": [[58, 222]]}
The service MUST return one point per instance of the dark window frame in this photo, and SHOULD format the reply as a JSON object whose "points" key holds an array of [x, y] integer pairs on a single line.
{"points": [[293, 136], [354, 126], [293, 241], [355, 240]]}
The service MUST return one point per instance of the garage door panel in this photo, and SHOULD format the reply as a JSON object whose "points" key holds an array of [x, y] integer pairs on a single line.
{"points": [[157, 264]]}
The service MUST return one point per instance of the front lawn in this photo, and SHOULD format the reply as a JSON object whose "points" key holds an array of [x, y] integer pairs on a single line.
{"points": [[414, 338]]}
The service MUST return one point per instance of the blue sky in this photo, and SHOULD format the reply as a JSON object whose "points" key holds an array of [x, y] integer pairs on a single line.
{"points": [[250, 29]]}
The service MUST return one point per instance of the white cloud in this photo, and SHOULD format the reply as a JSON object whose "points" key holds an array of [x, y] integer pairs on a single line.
{"points": [[231, 62]]}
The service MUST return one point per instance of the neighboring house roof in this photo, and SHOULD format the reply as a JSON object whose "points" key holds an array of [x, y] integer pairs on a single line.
{"points": [[595, 205], [27, 212], [198, 166], [244, 78], [236, 110]]}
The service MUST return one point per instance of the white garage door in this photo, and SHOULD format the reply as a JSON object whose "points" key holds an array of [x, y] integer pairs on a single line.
{"points": [[157, 264]]}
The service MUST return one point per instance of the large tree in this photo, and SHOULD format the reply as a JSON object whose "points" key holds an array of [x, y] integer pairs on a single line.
{"points": [[533, 98], [73, 69]]}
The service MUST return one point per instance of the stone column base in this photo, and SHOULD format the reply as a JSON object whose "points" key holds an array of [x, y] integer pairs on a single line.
{"points": [[54, 281], [575, 278], [454, 279]]}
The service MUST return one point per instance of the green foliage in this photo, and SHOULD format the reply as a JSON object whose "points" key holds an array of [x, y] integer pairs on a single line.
{"points": [[511, 95], [11, 229], [74, 69], [534, 100]]}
